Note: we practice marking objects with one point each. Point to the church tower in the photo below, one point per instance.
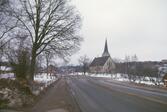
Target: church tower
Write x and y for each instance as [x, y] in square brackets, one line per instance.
[105, 52]
[103, 64]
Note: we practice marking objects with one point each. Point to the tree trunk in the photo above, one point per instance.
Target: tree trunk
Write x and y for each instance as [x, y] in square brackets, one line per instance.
[32, 66]
[47, 65]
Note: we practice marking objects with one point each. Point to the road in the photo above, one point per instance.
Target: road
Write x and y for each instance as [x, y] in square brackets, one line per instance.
[98, 95]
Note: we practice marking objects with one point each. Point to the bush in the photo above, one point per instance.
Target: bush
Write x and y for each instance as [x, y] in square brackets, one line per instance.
[20, 65]
[14, 93]
[3, 103]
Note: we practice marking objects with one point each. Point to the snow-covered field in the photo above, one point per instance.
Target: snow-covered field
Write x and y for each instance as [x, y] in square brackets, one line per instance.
[124, 77]
[42, 77]
[7, 75]
[43, 80]
[39, 78]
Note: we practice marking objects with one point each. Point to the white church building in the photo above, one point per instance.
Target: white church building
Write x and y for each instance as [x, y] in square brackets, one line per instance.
[103, 64]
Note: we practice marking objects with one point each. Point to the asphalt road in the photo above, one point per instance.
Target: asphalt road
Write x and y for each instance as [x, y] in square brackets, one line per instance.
[97, 95]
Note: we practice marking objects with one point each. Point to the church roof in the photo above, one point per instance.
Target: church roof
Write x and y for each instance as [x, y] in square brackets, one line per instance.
[105, 53]
[100, 61]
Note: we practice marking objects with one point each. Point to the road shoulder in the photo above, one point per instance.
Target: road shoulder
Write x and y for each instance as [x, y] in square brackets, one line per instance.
[56, 99]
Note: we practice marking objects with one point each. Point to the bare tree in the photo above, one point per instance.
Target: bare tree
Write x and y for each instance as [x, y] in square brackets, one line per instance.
[117, 60]
[134, 58]
[127, 67]
[7, 23]
[48, 56]
[51, 25]
[133, 68]
[127, 61]
[84, 62]
[40, 64]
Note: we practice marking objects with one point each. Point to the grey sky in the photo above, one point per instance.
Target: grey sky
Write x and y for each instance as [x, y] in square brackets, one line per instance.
[131, 27]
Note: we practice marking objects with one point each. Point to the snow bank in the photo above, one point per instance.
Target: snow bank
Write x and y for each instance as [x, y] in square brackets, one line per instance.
[44, 78]
[44, 81]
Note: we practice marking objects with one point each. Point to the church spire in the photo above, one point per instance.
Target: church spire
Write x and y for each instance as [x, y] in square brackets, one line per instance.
[105, 53]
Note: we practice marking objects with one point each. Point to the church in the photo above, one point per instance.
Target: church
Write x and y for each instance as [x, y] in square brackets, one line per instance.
[103, 64]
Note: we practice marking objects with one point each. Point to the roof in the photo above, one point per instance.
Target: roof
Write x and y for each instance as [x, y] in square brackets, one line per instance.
[105, 53]
[100, 61]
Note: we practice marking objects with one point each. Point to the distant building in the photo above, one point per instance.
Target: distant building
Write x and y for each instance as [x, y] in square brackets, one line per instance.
[51, 70]
[165, 79]
[164, 61]
[162, 70]
[103, 64]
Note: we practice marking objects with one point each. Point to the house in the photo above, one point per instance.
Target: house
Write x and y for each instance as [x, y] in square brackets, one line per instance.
[162, 70]
[50, 70]
[165, 79]
[103, 64]
[164, 61]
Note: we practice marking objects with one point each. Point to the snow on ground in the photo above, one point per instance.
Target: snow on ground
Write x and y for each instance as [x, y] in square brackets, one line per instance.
[4, 68]
[124, 77]
[77, 73]
[39, 78]
[7, 75]
[44, 78]
[42, 81]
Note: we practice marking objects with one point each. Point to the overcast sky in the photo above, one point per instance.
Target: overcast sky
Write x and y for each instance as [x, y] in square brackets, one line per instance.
[130, 26]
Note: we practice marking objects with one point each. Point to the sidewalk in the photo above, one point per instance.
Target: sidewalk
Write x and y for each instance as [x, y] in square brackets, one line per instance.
[57, 99]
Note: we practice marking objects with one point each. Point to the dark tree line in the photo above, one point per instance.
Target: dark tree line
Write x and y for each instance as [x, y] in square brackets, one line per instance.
[138, 69]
